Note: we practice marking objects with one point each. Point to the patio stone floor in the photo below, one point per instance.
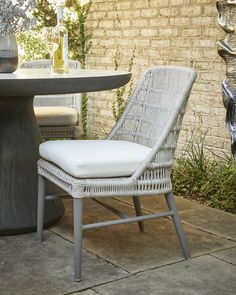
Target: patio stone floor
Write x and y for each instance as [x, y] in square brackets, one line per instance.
[122, 260]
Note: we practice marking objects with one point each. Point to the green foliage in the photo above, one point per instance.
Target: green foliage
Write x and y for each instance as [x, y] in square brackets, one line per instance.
[120, 102]
[32, 46]
[79, 36]
[31, 42]
[80, 44]
[209, 180]
[84, 98]
[45, 14]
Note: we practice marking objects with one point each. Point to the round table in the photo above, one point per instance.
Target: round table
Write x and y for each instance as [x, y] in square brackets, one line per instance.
[20, 138]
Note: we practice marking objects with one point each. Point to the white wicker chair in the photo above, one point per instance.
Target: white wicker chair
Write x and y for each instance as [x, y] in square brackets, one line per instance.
[136, 158]
[58, 116]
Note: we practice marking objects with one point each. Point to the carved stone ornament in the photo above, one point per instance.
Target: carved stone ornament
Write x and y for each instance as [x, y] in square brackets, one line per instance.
[227, 50]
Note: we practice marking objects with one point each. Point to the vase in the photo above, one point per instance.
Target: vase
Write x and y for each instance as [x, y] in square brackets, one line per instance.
[8, 53]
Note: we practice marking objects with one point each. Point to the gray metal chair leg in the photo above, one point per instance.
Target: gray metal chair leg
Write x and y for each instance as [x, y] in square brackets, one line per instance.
[178, 226]
[40, 212]
[78, 222]
[138, 210]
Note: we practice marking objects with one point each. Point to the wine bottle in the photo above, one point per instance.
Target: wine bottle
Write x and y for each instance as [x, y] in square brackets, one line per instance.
[60, 56]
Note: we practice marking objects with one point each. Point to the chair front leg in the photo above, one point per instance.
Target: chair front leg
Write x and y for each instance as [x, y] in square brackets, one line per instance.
[138, 210]
[178, 226]
[78, 222]
[41, 203]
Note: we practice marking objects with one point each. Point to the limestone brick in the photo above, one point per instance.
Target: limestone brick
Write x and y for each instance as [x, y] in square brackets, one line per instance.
[178, 42]
[210, 53]
[179, 21]
[160, 43]
[103, 6]
[204, 43]
[140, 4]
[122, 5]
[140, 23]
[213, 32]
[170, 11]
[148, 32]
[157, 3]
[189, 32]
[123, 24]
[171, 32]
[132, 13]
[159, 22]
[178, 2]
[148, 13]
[106, 23]
[209, 10]
[191, 11]
[131, 33]
[203, 21]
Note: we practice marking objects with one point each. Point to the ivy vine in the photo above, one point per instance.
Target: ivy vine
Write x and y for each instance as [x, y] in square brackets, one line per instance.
[120, 101]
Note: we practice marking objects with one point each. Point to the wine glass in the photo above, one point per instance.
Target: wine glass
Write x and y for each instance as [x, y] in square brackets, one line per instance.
[51, 41]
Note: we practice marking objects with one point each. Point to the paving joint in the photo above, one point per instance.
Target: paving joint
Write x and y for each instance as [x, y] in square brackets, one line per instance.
[113, 268]
[92, 253]
[182, 221]
[221, 259]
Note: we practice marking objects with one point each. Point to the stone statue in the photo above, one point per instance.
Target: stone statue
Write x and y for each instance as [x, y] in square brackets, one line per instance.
[227, 50]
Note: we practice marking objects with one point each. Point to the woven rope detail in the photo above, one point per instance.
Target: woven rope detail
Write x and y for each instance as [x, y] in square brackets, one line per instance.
[152, 182]
[59, 131]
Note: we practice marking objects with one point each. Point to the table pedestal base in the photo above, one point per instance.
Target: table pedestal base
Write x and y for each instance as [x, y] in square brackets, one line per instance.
[19, 141]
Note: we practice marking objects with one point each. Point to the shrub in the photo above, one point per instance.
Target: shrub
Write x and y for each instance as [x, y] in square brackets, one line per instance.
[209, 180]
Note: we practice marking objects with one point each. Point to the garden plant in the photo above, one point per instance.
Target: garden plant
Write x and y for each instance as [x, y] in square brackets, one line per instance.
[201, 175]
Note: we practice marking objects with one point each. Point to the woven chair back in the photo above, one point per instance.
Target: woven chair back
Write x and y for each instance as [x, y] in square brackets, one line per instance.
[161, 91]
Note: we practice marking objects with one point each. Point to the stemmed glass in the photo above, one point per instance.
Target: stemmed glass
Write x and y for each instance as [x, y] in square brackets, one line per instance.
[51, 41]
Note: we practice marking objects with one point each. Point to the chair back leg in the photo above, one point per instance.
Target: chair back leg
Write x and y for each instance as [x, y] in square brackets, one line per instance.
[41, 203]
[78, 223]
[178, 226]
[138, 210]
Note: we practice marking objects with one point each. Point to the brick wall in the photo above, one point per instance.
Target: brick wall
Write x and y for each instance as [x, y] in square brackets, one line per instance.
[164, 32]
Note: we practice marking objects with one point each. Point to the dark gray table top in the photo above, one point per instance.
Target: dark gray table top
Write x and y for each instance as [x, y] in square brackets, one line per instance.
[29, 82]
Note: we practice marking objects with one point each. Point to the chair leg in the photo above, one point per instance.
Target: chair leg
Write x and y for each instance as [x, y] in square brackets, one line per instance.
[138, 210]
[78, 222]
[178, 226]
[41, 202]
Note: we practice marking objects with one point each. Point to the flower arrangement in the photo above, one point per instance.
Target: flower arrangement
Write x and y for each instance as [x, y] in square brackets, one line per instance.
[15, 15]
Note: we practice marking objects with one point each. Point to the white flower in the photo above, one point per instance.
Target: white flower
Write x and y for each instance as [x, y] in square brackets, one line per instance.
[55, 2]
[84, 2]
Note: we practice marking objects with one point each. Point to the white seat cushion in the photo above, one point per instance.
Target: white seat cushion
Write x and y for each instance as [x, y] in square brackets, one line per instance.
[94, 158]
[56, 116]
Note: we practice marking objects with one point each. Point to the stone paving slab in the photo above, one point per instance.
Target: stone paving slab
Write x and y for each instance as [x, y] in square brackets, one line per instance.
[204, 275]
[132, 250]
[157, 203]
[31, 268]
[87, 292]
[228, 255]
[212, 220]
